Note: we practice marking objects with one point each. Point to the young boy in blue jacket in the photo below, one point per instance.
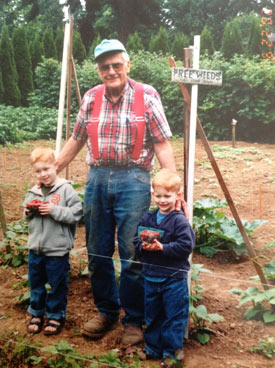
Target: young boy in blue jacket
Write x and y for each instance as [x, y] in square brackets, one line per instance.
[52, 208]
[163, 243]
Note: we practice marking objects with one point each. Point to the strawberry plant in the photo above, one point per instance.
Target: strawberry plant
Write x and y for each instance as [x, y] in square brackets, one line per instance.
[263, 303]
[198, 313]
[13, 250]
[216, 232]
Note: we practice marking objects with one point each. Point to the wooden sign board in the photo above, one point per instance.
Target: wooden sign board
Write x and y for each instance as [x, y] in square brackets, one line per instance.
[194, 76]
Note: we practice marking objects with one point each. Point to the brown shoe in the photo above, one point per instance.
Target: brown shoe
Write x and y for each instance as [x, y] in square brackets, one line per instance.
[98, 326]
[132, 335]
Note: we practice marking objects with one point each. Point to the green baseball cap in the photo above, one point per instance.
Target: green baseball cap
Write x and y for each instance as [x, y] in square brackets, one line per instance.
[107, 46]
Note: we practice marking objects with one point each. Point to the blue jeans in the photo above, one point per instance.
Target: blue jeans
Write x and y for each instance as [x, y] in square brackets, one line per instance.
[166, 315]
[52, 270]
[115, 200]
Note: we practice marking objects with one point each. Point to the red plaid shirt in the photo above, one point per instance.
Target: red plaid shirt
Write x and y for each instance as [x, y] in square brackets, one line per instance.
[117, 127]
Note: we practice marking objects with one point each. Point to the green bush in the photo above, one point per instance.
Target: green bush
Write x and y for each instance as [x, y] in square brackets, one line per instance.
[247, 95]
[21, 123]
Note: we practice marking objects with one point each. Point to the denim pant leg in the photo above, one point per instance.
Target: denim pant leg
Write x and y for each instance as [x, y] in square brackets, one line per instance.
[131, 202]
[113, 198]
[176, 305]
[37, 279]
[57, 272]
[154, 317]
[100, 242]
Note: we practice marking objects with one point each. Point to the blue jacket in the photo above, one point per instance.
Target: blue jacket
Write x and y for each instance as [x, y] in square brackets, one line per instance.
[178, 242]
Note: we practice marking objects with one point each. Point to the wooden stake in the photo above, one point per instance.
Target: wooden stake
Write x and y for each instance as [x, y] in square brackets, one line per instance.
[187, 64]
[69, 88]
[250, 249]
[78, 95]
[62, 90]
[234, 122]
[2, 217]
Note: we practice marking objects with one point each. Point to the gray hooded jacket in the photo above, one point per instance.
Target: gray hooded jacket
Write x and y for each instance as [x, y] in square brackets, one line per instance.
[53, 234]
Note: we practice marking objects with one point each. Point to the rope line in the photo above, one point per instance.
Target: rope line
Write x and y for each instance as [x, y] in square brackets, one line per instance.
[207, 273]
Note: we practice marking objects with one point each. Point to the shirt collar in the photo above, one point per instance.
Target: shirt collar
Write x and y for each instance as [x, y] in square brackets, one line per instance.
[123, 92]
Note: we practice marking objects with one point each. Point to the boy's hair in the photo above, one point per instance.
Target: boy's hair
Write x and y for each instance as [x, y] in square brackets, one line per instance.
[42, 153]
[167, 179]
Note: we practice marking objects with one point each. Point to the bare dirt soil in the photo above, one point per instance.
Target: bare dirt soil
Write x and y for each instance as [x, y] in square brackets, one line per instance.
[249, 173]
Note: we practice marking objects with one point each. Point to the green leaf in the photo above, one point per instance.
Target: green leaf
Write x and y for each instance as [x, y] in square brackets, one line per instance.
[271, 245]
[201, 312]
[236, 291]
[210, 204]
[254, 312]
[270, 294]
[269, 269]
[215, 317]
[208, 251]
[203, 338]
[269, 317]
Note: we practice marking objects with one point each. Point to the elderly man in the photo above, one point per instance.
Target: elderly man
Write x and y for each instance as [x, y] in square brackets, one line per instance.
[124, 125]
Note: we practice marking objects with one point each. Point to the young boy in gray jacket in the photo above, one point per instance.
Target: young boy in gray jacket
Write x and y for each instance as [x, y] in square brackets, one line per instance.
[53, 209]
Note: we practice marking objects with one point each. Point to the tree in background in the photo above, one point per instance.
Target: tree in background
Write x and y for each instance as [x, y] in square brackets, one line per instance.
[254, 46]
[180, 42]
[236, 36]
[190, 16]
[231, 41]
[116, 18]
[207, 43]
[95, 42]
[23, 63]
[1, 89]
[49, 44]
[79, 51]
[9, 74]
[36, 51]
[160, 43]
[59, 41]
[134, 43]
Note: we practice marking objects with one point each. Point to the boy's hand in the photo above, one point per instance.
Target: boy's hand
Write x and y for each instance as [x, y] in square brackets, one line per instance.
[45, 208]
[155, 246]
[27, 211]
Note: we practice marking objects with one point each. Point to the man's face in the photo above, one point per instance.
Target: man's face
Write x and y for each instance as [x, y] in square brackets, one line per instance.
[113, 70]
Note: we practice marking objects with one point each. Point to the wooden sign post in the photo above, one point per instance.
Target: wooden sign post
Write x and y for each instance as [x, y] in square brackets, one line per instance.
[250, 249]
[194, 76]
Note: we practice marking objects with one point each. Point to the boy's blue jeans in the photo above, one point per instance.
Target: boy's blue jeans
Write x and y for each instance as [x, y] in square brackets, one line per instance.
[52, 270]
[115, 200]
[166, 315]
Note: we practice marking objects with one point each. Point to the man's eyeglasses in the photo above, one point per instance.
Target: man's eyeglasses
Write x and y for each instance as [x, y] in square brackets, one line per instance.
[116, 66]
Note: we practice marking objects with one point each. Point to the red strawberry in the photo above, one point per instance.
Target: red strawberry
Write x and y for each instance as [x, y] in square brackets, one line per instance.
[149, 236]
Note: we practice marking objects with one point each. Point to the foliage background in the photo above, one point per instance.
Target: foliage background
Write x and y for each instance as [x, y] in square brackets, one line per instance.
[231, 41]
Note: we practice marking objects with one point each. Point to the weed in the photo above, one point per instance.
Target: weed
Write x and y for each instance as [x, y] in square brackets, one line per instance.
[265, 347]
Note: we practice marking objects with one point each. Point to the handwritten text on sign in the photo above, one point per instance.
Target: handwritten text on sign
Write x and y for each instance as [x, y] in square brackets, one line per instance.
[193, 76]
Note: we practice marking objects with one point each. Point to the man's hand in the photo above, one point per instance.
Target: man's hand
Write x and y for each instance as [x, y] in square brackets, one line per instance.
[182, 205]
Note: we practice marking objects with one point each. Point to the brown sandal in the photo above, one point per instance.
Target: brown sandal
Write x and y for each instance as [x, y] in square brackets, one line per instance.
[57, 324]
[36, 321]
